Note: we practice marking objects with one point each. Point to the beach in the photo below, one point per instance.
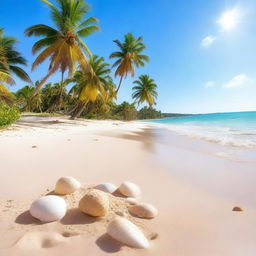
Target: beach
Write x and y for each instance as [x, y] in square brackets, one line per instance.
[194, 184]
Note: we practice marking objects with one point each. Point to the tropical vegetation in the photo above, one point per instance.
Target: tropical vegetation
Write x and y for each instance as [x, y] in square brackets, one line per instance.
[86, 87]
[8, 114]
[10, 62]
[62, 44]
[128, 57]
[145, 90]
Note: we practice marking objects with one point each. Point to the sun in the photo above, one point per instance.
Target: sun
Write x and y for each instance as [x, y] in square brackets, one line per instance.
[230, 19]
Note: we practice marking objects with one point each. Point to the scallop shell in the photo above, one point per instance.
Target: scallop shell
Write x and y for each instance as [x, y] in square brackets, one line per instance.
[67, 185]
[106, 187]
[127, 233]
[48, 208]
[95, 203]
[144, 210]
[129, 189]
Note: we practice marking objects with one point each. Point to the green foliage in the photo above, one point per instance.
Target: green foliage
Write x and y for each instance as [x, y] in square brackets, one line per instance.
[62, 43]
[11, 59]
[88, 87]
[124, 111]
[8, 114]
[129, 56]
[145, 90]
[149, 113]
[175, 115]
[10, 62]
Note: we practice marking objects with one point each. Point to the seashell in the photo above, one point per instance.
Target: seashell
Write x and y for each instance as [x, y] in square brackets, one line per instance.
[131, 200]
[127, 233]
[106, 187]
[67, 185]
[48, 208]
[95, 203]
[129, 189]
[144, 210]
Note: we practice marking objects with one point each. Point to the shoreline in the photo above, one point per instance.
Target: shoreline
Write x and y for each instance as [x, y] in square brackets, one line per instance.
[194, 190]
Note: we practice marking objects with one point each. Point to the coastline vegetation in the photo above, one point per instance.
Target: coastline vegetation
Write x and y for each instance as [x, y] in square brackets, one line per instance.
[8, 114]
[86, 88]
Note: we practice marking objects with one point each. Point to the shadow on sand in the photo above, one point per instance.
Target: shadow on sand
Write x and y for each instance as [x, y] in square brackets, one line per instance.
[25, 218]
[76, 217]
[108, 244]
[146, 137]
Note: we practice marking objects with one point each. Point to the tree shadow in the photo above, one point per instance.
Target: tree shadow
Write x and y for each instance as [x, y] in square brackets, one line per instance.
[108, 244]
[26, 218]
[146, 137]
[76, 217]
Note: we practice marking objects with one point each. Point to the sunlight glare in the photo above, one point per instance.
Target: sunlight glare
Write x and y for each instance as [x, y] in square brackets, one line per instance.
[230, 19]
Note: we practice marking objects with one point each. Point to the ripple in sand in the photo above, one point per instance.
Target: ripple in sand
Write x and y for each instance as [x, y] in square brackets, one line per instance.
[37, 240]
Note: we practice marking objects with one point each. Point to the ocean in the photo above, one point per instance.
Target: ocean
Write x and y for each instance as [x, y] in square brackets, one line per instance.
[236, 129]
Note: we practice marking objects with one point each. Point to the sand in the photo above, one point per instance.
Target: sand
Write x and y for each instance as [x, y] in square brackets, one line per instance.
[193, 186]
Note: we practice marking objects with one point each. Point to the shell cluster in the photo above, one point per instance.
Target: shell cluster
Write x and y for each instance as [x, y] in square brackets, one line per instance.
[96, 203]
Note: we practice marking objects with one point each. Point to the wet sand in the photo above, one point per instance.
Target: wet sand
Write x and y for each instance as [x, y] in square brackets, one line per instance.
[193, 186]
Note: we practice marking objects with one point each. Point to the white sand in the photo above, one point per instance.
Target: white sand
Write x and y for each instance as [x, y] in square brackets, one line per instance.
[193, 189]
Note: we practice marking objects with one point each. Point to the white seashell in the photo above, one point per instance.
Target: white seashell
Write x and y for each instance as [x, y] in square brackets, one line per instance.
[132, 200]
[127, 233]
[144, 210]
[106, 187]
[48, 208]
[95, 203]
[67, 185]
[129, 189]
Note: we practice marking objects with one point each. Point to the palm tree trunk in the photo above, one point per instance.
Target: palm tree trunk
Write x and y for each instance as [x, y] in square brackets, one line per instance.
[121, 79]
[39, 86]
[57, 103]
[61, 90]
[79, 111]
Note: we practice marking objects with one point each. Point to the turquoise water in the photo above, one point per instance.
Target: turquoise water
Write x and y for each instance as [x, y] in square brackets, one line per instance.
[234, 129]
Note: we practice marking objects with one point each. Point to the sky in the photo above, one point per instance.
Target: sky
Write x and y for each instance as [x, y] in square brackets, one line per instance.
[202, 53]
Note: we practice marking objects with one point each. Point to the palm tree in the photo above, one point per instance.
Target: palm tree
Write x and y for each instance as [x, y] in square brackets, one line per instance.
[60, 89]
[5, 94]
[88, 86]
[145, 90]
[128, 56]
[26, 102]
[10, 59]
[62, 44]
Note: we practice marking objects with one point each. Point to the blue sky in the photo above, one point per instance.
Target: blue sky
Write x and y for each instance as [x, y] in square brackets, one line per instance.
[202, 53]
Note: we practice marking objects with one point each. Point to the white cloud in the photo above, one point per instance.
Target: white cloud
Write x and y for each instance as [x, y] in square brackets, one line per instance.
[210, 84]
[237, 81]
[230, 19]
[207, 41]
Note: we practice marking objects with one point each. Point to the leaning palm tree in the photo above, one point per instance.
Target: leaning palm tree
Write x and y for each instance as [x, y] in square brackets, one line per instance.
[130, 55]
[89, 86]
[145, 90]
[10, 59]
[62, 44]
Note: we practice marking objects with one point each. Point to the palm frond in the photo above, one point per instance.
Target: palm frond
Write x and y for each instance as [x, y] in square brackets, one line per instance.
[20, 73]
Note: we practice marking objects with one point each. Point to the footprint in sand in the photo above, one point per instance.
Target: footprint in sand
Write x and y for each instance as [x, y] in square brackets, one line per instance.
[39, 240]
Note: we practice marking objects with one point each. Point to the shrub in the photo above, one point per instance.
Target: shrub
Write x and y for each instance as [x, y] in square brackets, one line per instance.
[149, 113]
[8, 114]
[125, 111]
